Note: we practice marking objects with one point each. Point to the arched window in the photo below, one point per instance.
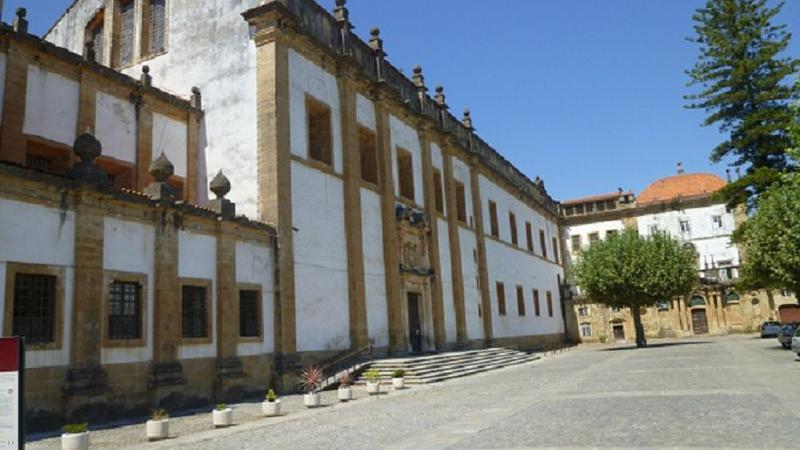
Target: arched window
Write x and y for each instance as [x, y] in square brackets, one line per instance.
[697, 300]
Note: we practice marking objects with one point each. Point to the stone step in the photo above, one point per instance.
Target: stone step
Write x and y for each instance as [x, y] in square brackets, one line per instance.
[409, 364]
[450, 354]
[423, 370]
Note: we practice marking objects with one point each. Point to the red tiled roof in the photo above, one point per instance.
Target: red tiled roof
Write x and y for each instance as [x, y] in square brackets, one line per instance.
[596, 198]
[681, 186]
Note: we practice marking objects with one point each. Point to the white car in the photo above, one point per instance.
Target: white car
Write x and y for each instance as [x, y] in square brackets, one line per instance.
[796, 341]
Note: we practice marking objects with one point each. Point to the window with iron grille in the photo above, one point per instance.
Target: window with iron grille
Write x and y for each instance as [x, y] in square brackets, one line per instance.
[438, 195]
[157, 26]
[38, 163]
[520, 301]
[494, 228]
[461, 202]
[576, 242]
[501, 298]
[405, 174]
[124, 311]
[94, 35]
[193, 312]
[126, 33]
[536, 310]
[34, 307]
[529, 236]
[319, 131]
[249, 313]
[369, 155]
[549, 303]
[543, 244]
[512, 225]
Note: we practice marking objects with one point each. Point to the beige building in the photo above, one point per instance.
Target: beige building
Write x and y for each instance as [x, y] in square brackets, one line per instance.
[683, 206]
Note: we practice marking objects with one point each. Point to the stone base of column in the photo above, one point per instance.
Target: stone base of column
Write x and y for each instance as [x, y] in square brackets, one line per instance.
[86, 394]
[166, 381]
[287, 371]
[229, 387]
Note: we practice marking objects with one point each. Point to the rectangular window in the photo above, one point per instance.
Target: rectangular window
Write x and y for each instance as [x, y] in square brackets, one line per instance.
[495, 229]
[593, 237]
[39, 163]
[576, 242]
[249, 314]
[543, 244]
[716, 221]
[501, 298]
[520, 301]
[124, 311]
[34, 307]
[319, 132]
[461, 202]
[125, 46]
[94, 35]
[684, 226]
[512, 224]
[569, 211]
[586, 330]
[536, 309]
[555, 250]
[369, 155]
[157, 26]
[405, 174]
[438, 195]
[193, 312]
[549, 303]
[529, 236]
[610, 233]
[583, 311]
[653, 229]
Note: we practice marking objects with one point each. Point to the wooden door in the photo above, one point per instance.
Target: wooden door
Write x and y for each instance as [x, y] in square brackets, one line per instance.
[414, 329]
[699, 321]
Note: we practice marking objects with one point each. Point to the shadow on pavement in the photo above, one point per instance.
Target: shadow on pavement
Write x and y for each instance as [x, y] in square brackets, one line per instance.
[656, 345]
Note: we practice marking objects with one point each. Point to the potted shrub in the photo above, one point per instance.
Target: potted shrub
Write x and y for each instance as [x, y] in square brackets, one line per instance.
[311, 381]
[271, 406]
[222, 416]
[75, 437]
[345, 391]
[398, 379]
[158, 425]
[373, 381]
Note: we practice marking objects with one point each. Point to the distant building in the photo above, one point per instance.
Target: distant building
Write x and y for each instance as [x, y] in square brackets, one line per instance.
[683, 206]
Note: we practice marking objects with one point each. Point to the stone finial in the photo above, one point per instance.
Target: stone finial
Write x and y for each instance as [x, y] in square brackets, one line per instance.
[146, 79]
[467, 119]
[88, 148]
[417, 77]
[340, 11]
[161, 168]
[197, 98]
[220, 185]
[20, 23]
[728, 175]
[375, 41]
[680, 168]
[440, 97]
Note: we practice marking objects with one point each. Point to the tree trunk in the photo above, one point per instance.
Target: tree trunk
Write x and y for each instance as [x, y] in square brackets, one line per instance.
[636, 312]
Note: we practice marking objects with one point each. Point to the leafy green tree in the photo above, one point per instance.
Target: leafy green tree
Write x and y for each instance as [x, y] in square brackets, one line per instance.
[746, 89]
[772, 237]
[632, 271]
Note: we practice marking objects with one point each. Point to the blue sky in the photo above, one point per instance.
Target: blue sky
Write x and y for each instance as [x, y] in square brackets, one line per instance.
[586, 94]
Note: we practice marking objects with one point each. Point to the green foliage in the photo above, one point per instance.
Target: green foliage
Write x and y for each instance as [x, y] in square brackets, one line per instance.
[772, 238]
[221, 407]
[76, 428]
[744, 88]
[633, 271]
[271, 396]
[160, 414]
[399, 373]
[372, 375]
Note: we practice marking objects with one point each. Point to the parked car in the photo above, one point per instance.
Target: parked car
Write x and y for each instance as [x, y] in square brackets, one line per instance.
[770, 328]
[796, 341]
[786, 334]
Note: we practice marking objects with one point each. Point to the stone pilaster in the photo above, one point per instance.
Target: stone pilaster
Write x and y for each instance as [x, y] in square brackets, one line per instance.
[86, 383]
[12, 141]
[483, 268]
[457, 274]
[229, 366]
[144, 144]
[274, 172]
[359, 333]
[391, 256]
[433, 239]
[193, 175]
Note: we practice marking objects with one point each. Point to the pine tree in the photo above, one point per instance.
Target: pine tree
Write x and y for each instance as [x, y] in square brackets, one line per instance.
[746, 89]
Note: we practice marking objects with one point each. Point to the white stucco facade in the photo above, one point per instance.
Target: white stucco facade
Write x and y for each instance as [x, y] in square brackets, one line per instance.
[51, 106]
[115, 128]
[255, 266]
[197, 258]
[405, 137]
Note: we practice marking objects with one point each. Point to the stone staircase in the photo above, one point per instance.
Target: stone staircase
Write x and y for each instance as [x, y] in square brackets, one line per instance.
[445, 366]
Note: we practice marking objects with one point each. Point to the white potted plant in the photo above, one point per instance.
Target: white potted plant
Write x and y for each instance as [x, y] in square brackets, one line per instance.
[311, 381]
[222, 416]
[75, 437]
[345, 391]
[271, 406]
[373, 381]
[398, 379]
[158, 426]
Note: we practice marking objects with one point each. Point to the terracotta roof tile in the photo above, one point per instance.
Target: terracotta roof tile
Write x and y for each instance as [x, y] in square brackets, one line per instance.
[681, 186]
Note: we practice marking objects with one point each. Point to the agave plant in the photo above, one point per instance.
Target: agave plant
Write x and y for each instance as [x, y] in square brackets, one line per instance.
[344, 380]
[311, 379]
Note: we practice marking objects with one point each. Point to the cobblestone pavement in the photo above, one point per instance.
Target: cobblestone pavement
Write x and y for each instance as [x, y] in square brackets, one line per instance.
[737, 392]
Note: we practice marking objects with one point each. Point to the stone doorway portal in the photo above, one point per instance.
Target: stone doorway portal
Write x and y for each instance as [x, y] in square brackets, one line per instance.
[699, 321]
[619, 332]
[414, 323]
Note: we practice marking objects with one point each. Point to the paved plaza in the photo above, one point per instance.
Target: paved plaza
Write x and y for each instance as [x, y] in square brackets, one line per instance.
[739, 391]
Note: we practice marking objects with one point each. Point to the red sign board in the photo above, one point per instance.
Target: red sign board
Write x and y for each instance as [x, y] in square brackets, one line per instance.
[9, 354]
[12, 383]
